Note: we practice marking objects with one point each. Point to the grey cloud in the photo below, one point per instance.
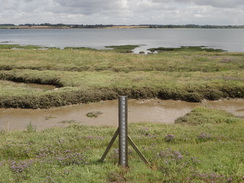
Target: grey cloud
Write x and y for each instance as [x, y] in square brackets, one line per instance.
[213, 3]
[27, 6]
[88, 7]
[11, 4]
[221, 3]
[123, 11]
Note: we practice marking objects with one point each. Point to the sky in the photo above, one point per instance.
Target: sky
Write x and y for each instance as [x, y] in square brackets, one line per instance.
[123, 12]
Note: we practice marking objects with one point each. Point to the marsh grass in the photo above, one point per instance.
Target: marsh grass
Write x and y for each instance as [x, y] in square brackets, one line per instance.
[123, 48]
[186, 48]
[88, 86]
[30, 127]
[86, 75]
[204, 152]
[202, 115]
[16, 46]
[204, 146]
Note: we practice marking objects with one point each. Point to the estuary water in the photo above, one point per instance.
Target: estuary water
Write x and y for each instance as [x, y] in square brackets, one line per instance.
[153, 110]
[231, 40]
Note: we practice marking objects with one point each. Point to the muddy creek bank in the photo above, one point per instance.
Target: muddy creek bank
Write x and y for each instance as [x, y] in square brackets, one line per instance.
[158, 111]
[34, 86]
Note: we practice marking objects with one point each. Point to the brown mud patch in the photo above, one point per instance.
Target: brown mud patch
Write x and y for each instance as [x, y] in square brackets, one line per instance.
[41, 86]
[153, 110]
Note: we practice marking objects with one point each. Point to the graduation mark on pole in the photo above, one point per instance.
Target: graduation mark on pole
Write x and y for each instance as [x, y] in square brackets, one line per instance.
[123, 146]
[122, 132]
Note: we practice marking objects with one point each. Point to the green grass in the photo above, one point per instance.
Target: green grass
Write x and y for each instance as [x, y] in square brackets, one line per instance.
[123, 48]
[206, 145]
[186, 48]
[202, 115]
[78, 48]
[16, 46]
[205, 152]
[95, 60]
[86, 75]
[8, 27]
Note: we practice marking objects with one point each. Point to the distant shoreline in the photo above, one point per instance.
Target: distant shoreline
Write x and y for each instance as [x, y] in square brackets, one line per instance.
[63, 26]
[70, 27]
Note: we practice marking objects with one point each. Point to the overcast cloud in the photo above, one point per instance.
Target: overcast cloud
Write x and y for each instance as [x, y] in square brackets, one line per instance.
[215, 12]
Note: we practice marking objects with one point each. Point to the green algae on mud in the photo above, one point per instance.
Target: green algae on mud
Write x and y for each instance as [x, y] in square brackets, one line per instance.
[86, 75]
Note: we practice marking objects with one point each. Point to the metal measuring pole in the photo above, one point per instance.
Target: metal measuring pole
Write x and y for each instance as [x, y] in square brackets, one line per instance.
[123, 143]
[122, 132]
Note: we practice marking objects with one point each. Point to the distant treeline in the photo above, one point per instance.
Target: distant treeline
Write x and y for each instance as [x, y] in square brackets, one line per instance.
[121, 26]
[199, 26]
[56, 25]
[68, 25]
[7, 25]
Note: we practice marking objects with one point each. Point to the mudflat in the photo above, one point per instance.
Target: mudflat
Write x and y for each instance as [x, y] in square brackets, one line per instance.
[150, 110]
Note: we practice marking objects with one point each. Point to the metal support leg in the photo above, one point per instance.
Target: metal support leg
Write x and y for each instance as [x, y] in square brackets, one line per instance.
[110, 145]
[137, 150]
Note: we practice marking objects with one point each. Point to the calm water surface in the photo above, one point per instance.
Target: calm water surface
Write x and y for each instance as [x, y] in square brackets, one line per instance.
[228, 39]
[154, 110]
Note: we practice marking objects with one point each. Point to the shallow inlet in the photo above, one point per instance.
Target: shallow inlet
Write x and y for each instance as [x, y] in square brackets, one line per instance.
[154, 110]
[35, 86]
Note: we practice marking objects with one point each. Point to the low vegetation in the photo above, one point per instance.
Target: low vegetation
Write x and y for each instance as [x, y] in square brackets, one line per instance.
[16, 46]
[186, 48]
[88, 75]
[203, 115]
[209, 150]
[123, 48]
[205, 145]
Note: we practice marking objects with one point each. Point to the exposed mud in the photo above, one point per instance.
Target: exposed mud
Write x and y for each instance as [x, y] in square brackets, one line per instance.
[41, 86]
[159, 111]
[34, 86]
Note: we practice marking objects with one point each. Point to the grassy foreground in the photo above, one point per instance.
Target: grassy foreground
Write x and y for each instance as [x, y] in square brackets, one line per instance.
[204, 146]
[87, 75]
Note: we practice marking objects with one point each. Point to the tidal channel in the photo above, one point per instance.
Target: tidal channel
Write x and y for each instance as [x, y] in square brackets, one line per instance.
[153, 110]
